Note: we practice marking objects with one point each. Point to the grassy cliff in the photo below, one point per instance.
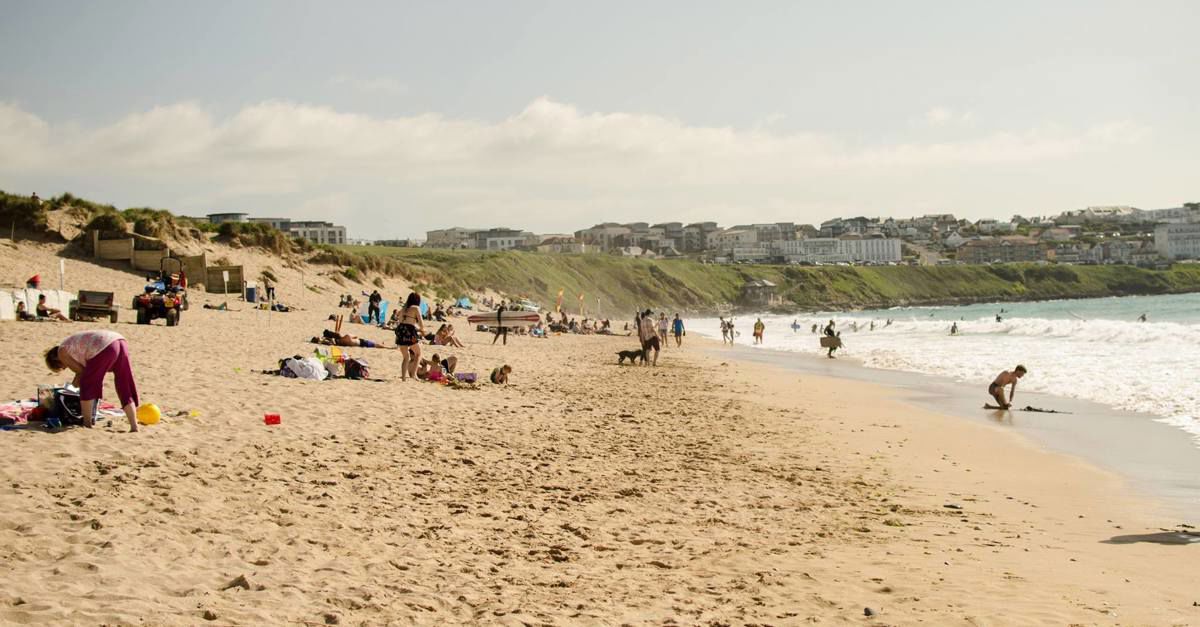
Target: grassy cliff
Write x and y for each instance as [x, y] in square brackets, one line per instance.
[622, 284]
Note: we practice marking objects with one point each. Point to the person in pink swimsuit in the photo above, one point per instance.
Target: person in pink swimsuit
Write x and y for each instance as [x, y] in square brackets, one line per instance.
[91, 355]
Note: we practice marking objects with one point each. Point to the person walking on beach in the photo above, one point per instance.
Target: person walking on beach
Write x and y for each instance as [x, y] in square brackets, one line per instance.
[649, 338]
[724, 330]
[1006, 378]
[831, 332]
[501, 330]
[373, 308]
[677, 326]
[408, 336]
[664, 327]
[91, 355]
[759, 327]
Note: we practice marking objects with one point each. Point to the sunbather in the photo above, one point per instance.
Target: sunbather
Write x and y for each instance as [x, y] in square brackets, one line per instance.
[344, 339]
[23, 313]
[43, 311]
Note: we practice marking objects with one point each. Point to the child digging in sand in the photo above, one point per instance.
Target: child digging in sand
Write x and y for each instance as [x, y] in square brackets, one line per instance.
[500, 375]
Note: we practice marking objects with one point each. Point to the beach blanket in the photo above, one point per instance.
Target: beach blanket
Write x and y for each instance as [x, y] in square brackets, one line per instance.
[21, 412]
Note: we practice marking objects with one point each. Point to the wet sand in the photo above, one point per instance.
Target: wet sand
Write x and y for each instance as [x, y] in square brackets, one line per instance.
[1155, 458]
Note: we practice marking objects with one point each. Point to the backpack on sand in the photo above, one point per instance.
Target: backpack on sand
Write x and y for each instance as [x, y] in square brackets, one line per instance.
[357, 368]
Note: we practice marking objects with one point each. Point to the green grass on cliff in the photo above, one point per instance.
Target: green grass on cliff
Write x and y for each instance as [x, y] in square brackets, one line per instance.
[623, 284]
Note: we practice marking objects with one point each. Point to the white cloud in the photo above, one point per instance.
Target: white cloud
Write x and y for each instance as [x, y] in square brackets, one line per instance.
[550, 158]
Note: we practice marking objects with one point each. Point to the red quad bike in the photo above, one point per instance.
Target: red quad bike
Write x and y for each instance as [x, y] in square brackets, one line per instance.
[164, 297]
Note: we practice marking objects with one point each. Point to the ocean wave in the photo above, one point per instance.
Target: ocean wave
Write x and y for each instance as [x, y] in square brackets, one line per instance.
[1147, 367]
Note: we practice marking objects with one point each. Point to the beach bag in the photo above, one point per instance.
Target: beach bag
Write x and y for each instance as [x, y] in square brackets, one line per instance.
[67, 406]
[357, 368]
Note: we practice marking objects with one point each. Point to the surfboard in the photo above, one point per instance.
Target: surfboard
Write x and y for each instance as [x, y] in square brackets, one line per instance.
[506, 318]
[831, 342]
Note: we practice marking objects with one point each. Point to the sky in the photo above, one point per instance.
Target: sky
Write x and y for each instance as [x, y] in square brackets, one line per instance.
[394, 118]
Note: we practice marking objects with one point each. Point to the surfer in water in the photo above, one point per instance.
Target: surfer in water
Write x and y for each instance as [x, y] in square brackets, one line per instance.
[954, 329]
[1142, 318]
[1004, 379]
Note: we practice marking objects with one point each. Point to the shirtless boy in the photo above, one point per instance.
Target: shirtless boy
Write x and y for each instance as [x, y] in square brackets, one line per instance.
[1006, 378]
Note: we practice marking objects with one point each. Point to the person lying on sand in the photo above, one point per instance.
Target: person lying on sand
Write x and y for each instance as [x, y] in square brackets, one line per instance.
[344, 339]
[1006, 378]
[499, 376]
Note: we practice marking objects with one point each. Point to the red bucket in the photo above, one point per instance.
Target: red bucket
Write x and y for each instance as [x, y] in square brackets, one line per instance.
[271, 419]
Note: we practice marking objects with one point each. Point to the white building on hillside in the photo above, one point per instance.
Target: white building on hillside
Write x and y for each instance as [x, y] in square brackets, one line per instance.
[871, 249]
[456, 237]
[729, 239]
[1178, 241]
[317, 231]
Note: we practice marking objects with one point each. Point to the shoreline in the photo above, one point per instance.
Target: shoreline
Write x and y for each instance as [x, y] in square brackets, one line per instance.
[1158, 458]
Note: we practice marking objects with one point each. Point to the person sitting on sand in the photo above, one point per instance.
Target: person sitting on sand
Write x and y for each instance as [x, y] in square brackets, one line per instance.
[1006, 378]
[23, 313]
[499, 375]
[435, 368]
[393, 320]
[451, 339]
[44, 311]
[91, 355]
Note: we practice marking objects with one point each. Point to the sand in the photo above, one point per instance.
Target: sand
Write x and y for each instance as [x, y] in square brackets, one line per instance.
[701, 491]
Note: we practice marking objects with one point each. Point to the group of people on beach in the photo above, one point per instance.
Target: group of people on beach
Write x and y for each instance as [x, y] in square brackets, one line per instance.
[653, 333]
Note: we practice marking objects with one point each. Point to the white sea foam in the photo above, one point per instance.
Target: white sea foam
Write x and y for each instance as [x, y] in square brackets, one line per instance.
[1094, 350]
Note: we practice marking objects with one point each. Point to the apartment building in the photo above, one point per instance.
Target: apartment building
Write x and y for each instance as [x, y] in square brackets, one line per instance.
[1178, 241]
[1001, 250]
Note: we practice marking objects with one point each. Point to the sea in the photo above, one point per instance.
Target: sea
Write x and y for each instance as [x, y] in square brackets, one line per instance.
[1096, 350]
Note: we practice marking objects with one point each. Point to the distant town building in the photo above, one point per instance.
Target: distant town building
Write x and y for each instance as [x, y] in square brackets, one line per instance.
[456, 237]
[565, 245]
[988, 227]
[1178, 241]
[846, 249]
[605, 236]
[317, 231]
[696, 235]
[395, 243]
[1010, 249]
[217, 218]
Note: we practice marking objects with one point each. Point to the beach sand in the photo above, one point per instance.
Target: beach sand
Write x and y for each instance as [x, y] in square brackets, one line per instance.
[701, 491]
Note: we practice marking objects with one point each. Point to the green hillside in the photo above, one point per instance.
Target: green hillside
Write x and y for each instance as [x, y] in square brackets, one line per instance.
[622, 284]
